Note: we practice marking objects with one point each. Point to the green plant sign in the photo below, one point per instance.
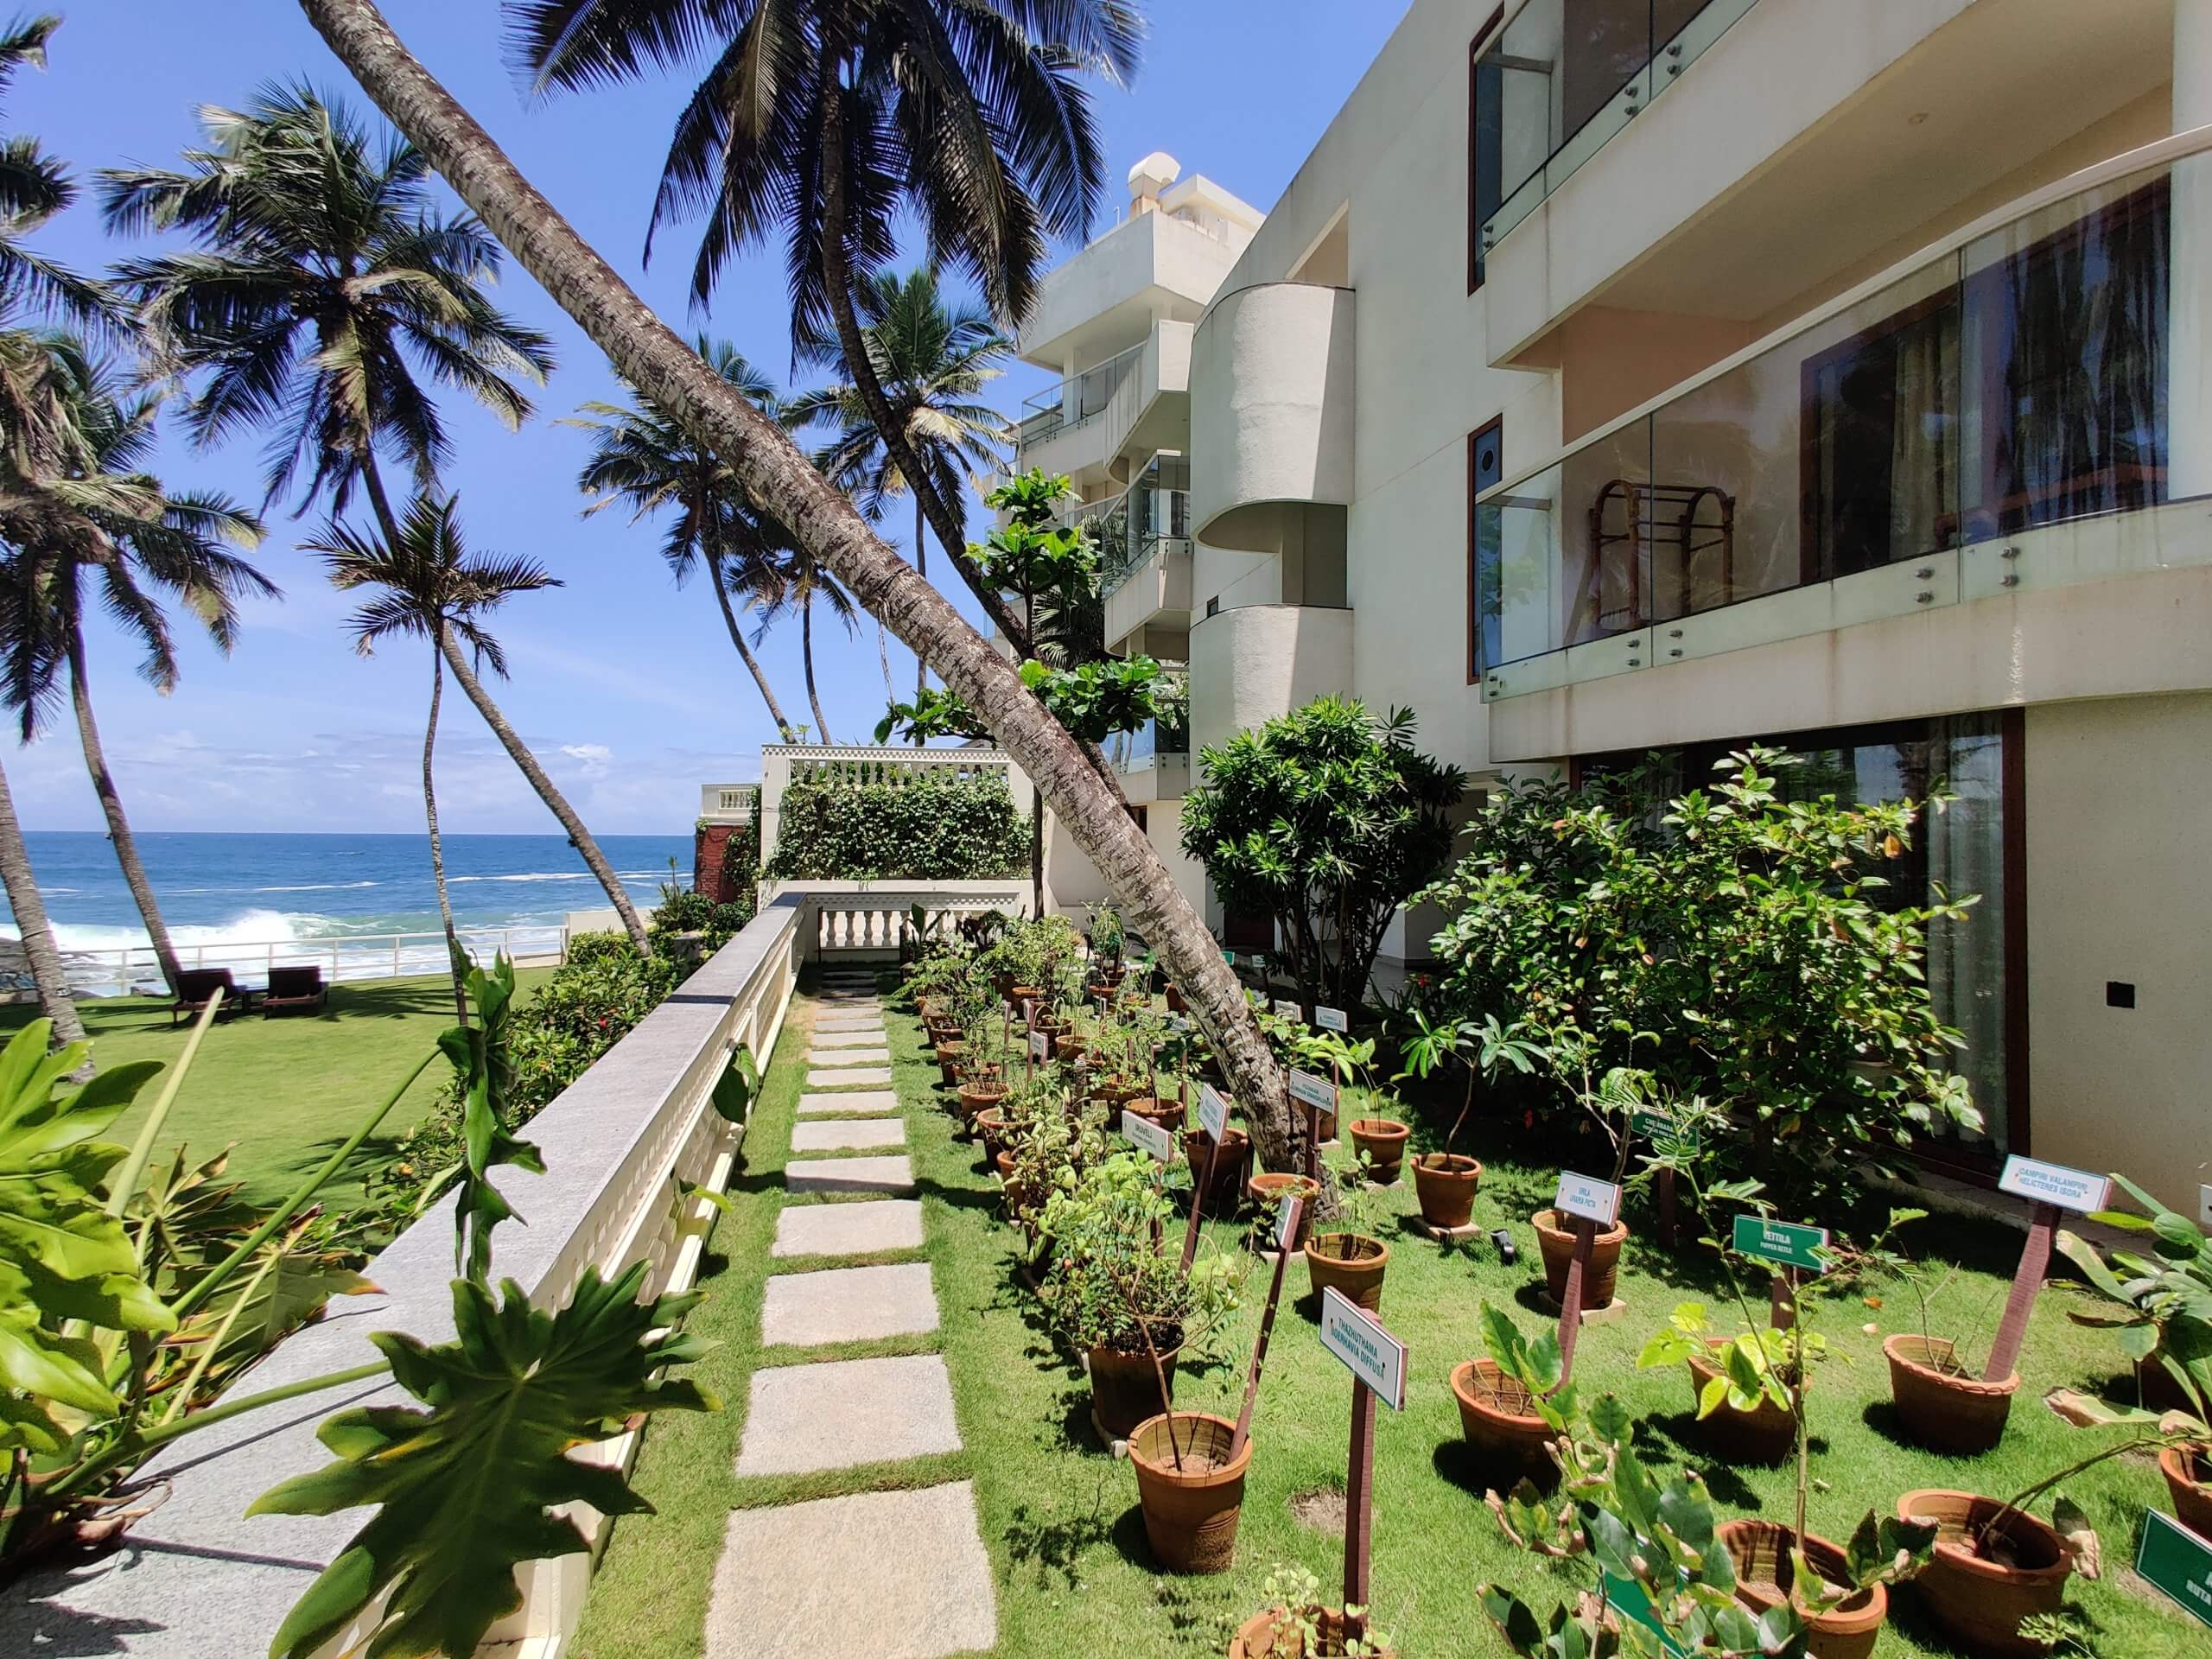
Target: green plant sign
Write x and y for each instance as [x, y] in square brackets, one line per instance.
[1628, 1597]
[1782, 1243]
[2177, 1562]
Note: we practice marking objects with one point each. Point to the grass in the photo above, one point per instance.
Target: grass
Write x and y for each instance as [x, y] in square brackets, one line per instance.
[1059, 1515]
[285, 1093]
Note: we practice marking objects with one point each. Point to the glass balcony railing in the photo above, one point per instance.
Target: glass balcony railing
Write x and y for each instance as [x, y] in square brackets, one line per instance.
[1152, 512]
[1073, 401]
[2018, 378]
[1152, 743]
[1563, 78]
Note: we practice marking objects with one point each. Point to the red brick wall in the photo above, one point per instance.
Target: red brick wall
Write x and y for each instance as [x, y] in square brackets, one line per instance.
[708, 842]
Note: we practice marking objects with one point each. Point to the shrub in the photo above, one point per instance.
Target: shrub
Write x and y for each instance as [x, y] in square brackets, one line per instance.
[1327, 820]
[1734, 945]
[932, 828]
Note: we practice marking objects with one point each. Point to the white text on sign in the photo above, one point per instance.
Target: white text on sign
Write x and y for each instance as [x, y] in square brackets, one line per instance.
[1331, 1018]
[2070, 1189]
[1370, 1352]
[1040, 1044]
[1587, 1196]
[1310, 1090]
[1213, 1111]
[1144, 1133]
[1286, 1009]
[1286, 1215]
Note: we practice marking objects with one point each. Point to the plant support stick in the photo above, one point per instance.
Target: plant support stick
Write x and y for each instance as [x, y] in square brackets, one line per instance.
[1292, 1205]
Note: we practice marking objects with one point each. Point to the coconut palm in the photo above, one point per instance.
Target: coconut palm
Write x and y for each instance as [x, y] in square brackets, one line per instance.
[824, 522]
[35, 931]
[642, 457]
[933, 361]
[823, 120]
[791, 581]
[103, 523]
[34, 187]
[323, 286]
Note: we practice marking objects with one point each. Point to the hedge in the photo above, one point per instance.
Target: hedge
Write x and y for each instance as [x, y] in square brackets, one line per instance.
[929, 828]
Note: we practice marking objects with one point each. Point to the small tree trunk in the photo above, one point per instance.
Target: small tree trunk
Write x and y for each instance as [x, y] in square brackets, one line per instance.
[745, 652]
[456, 963]
[921, 570]
[118, 827]
[806, 656]
[29, 908]
[519, 751]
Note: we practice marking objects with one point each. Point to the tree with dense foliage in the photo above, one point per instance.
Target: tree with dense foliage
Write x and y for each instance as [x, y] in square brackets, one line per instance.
[90, 525]
[1326, 820]
[821, 518]
[822, 121]
[641, 457]
[1740, 941]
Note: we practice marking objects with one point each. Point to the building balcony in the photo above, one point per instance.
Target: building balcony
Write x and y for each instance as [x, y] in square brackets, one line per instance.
[726, 803]
[1098, 424]
[1272, 403]
[1154, 761]
[1903, 476]
[1153, 592]
[1152, 265]
[1253, 663]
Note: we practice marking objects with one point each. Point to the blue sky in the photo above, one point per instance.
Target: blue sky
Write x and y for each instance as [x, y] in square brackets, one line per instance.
[624, 685]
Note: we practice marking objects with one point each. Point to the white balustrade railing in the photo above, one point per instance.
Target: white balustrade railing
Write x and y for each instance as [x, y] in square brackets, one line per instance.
[123, 969]
[855, 917]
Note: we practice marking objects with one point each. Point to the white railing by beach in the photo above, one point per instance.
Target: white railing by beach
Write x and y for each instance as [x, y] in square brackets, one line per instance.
[124, 970]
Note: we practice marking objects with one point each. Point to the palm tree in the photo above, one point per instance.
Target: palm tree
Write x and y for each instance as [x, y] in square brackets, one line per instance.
[33, 928]
[428, 589]
[642, 457]
[109, 521]
[824, 120]
[792, 582]
[34, 186]
[651, 357]
[933, 361]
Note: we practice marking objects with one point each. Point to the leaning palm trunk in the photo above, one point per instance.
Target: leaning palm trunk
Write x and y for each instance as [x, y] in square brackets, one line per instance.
[518, 751]
[456, 963]
[806, 656]
[118, 827]
[646, 353]
[921, 570]
[38, 948]
[745, 652]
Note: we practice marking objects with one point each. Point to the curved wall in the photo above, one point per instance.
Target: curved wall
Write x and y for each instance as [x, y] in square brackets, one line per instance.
[1249, 665]
[1271, 409]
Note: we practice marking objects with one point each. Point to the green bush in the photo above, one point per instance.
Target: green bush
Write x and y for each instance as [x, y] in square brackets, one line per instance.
[931, 828]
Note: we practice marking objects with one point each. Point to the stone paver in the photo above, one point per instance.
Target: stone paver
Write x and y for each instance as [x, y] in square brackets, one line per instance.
[845, 1412]
[837, 1135]
[859, 1229]
[848, 1057]
[850, 1036]
[895, 1575]
[806, 1310]
[849, 1102]
[849, 1175]
[857, 1076]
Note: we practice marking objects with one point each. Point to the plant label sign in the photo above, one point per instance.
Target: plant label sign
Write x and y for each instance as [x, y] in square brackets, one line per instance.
[1213, 1112]
[1286, 1215]
[2177, 1562]
[1587, 1196]
[1039, 1045]
[1228, 956]
[1142, 1132]
[1287, 1009]
[1370, 1352]
[1331, 1018]
[1782, 1243]
[1309, 1090]
[1629, 1598]
[2070, 1189]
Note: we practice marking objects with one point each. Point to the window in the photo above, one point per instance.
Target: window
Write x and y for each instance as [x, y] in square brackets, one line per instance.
[1486, 467]
[1484, 85]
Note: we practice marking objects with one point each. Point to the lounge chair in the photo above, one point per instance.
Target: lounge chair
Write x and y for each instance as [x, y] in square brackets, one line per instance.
[195, 985]
[295, 987]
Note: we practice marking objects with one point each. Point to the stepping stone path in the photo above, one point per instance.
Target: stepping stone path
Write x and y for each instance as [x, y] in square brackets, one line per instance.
[895, 1575]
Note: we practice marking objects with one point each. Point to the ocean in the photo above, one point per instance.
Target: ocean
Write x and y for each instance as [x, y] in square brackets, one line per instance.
[244, 902]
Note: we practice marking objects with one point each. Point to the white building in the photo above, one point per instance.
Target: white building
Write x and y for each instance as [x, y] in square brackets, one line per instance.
[1620, 377]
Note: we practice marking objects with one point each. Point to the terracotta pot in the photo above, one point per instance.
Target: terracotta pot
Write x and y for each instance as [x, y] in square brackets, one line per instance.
[1766, 1433]
[1168, 1113]
[1359, 1276]
[1073, 1050]
[1267, 1190]
[1500, 1422]
[1760, 1550]
[1556, 1241]
[1227, 1164]
[1939, 1405]
[1021, 994]
[1018, 1195]
[1116, 1095]
[1255, 1638]
[1191, 1513]
[1445, 1184]
[990, 1124]
[1175, 1002]
[1124, 1390]
[949, 1056]
[1980, 1601]
[2187, 1486]
[978, 1097]
[1099, 989]
[1382, 1144]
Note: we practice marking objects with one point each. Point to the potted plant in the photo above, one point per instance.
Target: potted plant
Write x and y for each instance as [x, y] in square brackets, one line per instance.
[1940, 1402]
[1380, 1144]
[1295, 1625]
[1445, 1181]
[1996, 1566]
[1348, 1256]
[1612, 1102]
[1267, 1190]
[1743, 1384]
[1513, 1405]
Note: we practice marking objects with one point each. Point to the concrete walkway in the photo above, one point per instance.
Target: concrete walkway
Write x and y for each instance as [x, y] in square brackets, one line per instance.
[894, 1575]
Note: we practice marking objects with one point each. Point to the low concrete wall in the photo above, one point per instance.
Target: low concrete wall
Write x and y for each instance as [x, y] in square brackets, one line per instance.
[197, 1579]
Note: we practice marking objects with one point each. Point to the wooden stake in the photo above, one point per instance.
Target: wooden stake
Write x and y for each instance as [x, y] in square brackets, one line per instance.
[1570, 1310]
[1199, 1205]
[1665, 1209]
[1781, 1298]
[1359, 1494]
[2027, 1278]
[1313, 1143]
[1267, 1328]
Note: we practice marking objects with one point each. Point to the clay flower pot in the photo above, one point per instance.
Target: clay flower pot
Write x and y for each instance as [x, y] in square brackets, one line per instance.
[1766, 1433]
[1018, 1198]
[1979, 1600]
[1228, 1164]
[976, 1098]
[1116, 1092]
[1175, 1002]
[1267, 1190]
[949, 1056]
[1351, 1262]
[1555, 1238]
[1023, 993]
[1124, 1390]
[2185, 1470]
[1382, 1145]
[1939, 1405]
[1760, 1550]
[1444, 1183]
[990, 1125]
[1255, 1638]
[1499, 1419]
[1190, 1512]
[1168, 1113]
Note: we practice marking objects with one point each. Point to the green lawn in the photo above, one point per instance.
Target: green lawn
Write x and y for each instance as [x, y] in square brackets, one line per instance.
[1059, 1516]
[284, 1091]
